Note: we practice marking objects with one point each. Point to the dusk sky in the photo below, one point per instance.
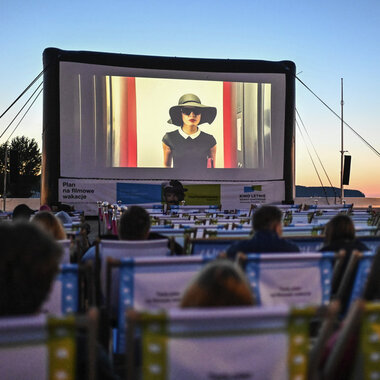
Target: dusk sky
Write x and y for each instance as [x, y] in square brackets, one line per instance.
[327, 40]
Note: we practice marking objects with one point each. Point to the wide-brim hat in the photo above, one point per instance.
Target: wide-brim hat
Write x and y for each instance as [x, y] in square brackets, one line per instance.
[191, 100]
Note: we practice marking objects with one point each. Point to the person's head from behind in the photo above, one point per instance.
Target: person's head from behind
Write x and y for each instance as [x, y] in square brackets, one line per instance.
[219, 283]
[29, 261]
[173, 192]
[267, 218]
[51, 224]
[134, 224]
[22, 212]
[339, 228]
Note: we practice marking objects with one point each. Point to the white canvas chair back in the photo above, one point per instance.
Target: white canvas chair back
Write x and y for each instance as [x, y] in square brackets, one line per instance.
[211, 247]
[119, 249]
[290, 279]
[63, 297]
[23, 352]
[37, 348]
[225, 343]
[66, 244]
[153, 284]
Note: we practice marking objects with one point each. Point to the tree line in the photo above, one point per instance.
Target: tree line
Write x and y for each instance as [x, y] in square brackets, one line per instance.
[23, 169]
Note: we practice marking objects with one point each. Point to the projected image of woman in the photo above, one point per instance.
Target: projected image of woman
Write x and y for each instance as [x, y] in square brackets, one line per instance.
[188, 146]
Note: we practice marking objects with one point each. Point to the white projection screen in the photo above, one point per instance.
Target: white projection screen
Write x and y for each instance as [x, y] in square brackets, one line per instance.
[115, 117]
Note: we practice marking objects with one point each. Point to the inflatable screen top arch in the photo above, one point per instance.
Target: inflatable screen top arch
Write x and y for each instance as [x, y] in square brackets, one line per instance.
[116, 118]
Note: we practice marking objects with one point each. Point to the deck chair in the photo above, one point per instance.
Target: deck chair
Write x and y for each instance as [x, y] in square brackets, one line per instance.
[45, 348]
[291, 279]
[179, 235]
[354, 278]
[362, 275]
[372, 242]
[328, 326]
[210, 247]
[64, 294]
[365, 230]
[118, 249]
[226, 234]
[222, 343]
[148, 283]
[307, 243]
[307, 230]
[372, 288]
[358, 343]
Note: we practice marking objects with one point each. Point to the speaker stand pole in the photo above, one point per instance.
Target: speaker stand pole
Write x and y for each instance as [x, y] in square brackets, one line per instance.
[341, 142]
[5, 176]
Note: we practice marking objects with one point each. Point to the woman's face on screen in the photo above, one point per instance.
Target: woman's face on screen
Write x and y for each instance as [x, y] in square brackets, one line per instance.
[191, 116]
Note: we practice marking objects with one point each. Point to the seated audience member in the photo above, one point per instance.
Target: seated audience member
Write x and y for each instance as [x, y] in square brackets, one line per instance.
[29, 262]
[173, 192]
[51, 224]
[134, 224]
[220, 283]
[340, 234]
[22, 212]
[267, 227]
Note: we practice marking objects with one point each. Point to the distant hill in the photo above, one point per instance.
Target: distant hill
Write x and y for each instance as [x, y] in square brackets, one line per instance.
[317, 191]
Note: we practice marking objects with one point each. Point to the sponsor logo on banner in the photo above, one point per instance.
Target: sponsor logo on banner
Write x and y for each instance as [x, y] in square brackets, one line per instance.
[252, 194]
[242, 195]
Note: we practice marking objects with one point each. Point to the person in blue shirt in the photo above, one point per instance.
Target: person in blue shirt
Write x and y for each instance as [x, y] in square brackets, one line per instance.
[267, 228]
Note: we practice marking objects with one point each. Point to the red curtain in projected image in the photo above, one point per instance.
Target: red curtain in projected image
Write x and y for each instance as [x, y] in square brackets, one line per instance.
[128, 130]
[229, 125]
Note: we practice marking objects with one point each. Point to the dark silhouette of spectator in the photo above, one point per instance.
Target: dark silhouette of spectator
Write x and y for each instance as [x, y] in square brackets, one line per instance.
[22, 212]
[340, 234]
[267, 228]
[173, 192]
[134, 224]
[219, 283]
[29, 261]
[50, 224]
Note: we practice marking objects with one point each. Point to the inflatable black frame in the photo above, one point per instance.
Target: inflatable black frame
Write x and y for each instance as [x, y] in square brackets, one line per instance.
[51, 102]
